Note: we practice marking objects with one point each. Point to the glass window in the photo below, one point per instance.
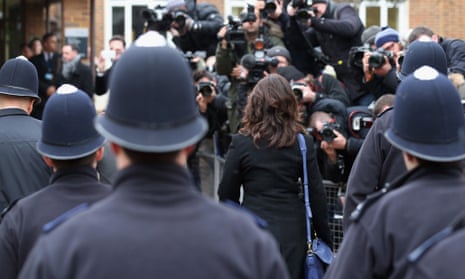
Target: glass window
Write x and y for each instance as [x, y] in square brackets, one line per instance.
[393, 18]
[137, 21]
[373, 16]
[117, 20]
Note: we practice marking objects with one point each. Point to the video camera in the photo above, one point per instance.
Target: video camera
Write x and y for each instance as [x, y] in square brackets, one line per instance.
[157, 19]
[235, 36]
[205, 88]
[257, 62]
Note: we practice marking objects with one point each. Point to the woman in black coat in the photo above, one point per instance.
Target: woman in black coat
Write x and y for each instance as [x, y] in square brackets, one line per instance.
[265, 159]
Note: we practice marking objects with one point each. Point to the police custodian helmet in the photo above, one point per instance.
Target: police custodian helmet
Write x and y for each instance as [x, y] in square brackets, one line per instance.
[428, 120]
[151, 106]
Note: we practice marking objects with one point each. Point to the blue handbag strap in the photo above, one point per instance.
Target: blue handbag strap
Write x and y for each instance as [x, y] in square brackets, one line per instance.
[308, 211]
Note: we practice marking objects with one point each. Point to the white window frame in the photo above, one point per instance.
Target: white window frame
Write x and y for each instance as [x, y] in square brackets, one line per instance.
[403, 19]
[127, 5]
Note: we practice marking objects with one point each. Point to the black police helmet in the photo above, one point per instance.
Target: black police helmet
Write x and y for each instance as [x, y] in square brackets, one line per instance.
[151, 106]
[428, 120]
[18, 77]
[67, 125]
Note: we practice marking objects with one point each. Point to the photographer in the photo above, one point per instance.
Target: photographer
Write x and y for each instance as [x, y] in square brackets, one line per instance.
[310, 91]
[336, 28]
[194, 25]
[331, 140]
[212, 106]
[380, 66]
[229, 55]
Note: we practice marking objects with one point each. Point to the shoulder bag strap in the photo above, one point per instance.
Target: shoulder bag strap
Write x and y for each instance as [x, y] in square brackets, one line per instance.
[308, 211]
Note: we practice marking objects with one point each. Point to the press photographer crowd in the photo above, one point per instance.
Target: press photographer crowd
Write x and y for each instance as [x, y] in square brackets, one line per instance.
[291, 141]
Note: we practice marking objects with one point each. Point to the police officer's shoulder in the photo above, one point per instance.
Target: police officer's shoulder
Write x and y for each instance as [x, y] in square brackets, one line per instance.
[261, 223]
[8, 208]
[458, 225]
[53, 224]
[373, 198]
[383, 113]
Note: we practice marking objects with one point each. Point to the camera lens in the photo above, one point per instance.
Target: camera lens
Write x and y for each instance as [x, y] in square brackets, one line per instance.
[376, 60]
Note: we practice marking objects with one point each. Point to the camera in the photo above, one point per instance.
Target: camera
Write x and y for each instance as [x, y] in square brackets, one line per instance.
[157, 19]
[377, 58]
[249, 15]
[205, 88]
[296, 89]
[326, 132]
[304, 14]
[270, 6]
[258, 62]
[235, 36]
[180, 18]
[356, 56]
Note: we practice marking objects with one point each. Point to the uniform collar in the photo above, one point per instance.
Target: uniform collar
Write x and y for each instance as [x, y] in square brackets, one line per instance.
[79, 173]
[12, 111]
[155, 177]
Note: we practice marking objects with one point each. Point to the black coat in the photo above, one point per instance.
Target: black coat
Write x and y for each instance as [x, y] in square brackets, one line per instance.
[22, 169]
[209, 21]
[156, 224]
[377, 245]
[81, 77]
[101, 82]
[22, 225]
[47, 73]
[455, 53]
[270, 178]
[336, 32]
[377, 163]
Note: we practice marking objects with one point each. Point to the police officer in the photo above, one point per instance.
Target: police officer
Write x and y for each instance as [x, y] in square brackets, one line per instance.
[378, 162]
[22, 170]
[155, 223]
[71, 146]
[429, 127]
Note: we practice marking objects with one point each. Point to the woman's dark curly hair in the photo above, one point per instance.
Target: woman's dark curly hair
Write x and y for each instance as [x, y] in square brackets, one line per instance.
[271, 113]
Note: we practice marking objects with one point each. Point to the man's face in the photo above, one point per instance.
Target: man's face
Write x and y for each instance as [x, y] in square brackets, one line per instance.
[68, 53]
[118, 47]
[320, 9]
[392, 46]
[51, 44]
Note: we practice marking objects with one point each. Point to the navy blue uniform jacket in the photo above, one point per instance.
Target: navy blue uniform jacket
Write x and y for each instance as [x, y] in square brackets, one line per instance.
[156, 225]
[22, 225]
[377, 245]
[22, 169]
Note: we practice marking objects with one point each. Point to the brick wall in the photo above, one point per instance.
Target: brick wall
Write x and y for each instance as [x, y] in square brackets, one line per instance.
[443, 17]
[34, 21]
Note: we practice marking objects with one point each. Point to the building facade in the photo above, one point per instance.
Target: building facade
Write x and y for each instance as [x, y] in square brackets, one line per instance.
[90, 23]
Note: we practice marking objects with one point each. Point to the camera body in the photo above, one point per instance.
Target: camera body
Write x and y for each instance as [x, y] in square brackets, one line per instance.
[205, 88]
[236, 36]
[356, 56]
[180, 18]
[326, 132]
[377, 58]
